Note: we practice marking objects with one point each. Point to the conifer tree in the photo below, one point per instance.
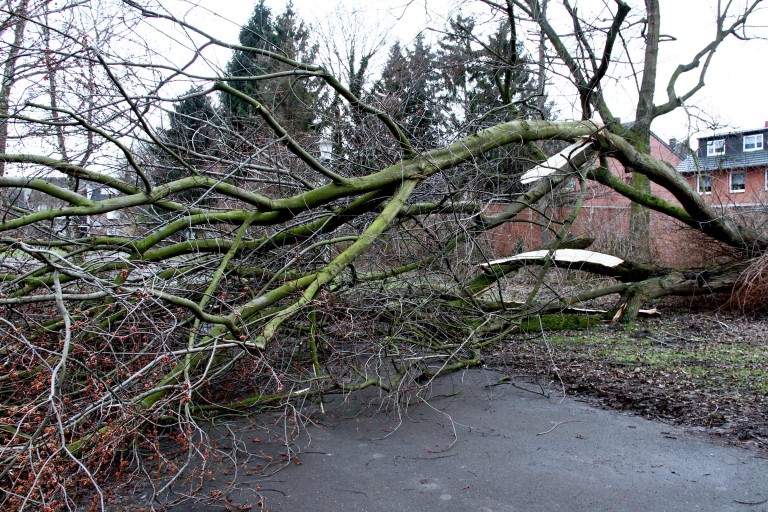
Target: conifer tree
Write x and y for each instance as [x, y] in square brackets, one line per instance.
[490, 80]
[290, 99]
[190, 131]
[188, 143]
[410, 90]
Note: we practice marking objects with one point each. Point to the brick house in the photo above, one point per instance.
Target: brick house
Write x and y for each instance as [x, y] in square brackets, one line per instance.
[731, 170]
[604, 216]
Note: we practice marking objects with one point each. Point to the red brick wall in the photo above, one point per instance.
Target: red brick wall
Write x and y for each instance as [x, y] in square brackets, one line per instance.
[605, 217]
[754, 193]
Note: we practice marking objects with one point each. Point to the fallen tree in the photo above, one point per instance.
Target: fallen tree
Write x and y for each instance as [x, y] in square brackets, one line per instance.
[153, 280]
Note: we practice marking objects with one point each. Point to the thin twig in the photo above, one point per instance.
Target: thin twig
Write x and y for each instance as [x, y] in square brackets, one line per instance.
[556, 425]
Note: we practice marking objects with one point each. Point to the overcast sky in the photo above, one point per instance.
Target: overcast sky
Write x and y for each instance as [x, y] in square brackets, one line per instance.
[733, 96]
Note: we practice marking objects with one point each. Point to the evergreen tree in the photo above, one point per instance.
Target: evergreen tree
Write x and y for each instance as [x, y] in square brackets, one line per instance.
[484, 74]
[410, 91]
[191, 135]
[190, 130]
[456, 58]
[289, 99]
[490, 81]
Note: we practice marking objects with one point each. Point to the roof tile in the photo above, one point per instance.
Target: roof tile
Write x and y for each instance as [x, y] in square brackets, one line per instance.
[724, 162]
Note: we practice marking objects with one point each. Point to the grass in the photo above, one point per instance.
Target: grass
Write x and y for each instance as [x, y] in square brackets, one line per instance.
[722, 363]
[704, 369]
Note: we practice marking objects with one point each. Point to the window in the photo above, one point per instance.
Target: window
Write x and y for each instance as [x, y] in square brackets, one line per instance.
[704, 183]
[753, 142]
[716, 147]
[737, 181]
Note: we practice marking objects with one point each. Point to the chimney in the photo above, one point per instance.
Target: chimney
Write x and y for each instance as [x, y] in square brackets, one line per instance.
[766, 124]
[673, 143]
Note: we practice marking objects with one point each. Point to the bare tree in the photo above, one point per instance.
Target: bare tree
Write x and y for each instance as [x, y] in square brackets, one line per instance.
[17, 23]
[296, 275]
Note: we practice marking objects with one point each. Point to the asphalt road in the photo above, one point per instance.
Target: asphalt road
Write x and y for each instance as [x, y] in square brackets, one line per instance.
[474, 446]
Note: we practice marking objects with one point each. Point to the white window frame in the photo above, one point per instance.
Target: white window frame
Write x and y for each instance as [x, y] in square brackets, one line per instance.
[765, 173]
[712, 147]
[730, 182]
[699, 183]
[755, 142]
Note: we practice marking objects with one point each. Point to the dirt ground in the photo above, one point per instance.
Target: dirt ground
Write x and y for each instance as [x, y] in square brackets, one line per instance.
[707, 370]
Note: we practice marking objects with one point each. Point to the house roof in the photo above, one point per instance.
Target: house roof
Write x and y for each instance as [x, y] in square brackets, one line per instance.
[739, 160]
[724, 162]
[719, 135]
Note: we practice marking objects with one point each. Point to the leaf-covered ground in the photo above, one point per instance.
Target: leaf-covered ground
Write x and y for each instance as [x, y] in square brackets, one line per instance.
[708, 371]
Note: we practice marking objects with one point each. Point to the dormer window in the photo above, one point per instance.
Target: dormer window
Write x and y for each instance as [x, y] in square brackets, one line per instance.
[716, 147]
[753, 142]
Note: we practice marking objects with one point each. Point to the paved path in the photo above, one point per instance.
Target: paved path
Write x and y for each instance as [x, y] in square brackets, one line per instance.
[475, 447]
